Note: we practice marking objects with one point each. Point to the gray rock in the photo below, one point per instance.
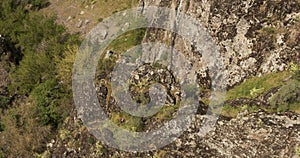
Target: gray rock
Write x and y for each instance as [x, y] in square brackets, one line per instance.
[86, 21]
[79, 24]
[69, 18]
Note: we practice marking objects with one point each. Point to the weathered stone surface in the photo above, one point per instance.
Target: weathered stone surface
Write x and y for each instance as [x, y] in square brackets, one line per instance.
[254, 36]
[258, 134]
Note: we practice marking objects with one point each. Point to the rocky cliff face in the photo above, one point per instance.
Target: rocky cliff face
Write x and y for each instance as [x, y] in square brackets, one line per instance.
[258, 134]
[254, 36]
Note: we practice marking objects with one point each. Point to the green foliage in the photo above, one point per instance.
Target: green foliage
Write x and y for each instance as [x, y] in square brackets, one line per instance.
[25, 30]
[100, 19]
[160, 154]
[26, 4]
[35, 36]
[38, 38]
[64, 65]
[127, 40]
[230, 111]
[257, 85]
[297, 151]
[166, 113]
[1, 153]
[23, 134]
[91, 140]
[48, 96]
[288, 97]
[255, 92]
[106, 65]
[99, 149]
[127, 121]
[118, 46]
[269, 30]
[64, 134]
[4, 102]
[33, 70]
[2, 126]
[41, 103]
[39, 3]
[294, 69]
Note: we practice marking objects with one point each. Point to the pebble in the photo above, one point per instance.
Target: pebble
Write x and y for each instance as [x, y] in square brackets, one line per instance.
[69, 18]
[86, 22]
[79, 23]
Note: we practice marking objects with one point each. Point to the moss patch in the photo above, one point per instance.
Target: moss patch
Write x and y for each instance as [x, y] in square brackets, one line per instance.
[287, 98]
[127, 121]
[257, 85]
[230, 111]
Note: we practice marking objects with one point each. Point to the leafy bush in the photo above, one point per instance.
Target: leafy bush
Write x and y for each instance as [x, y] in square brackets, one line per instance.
[38, 4]
[23, 134]
[33, 69]
[64, 65]
[41, 103]
[40, 42]
[27, 4]
[23, 29]
[48, 96]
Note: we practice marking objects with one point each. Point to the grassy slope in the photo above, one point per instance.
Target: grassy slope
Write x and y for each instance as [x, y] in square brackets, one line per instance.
[260, 84]
[257, 86]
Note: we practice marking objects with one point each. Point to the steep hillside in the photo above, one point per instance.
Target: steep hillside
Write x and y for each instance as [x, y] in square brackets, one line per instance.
[258, 41]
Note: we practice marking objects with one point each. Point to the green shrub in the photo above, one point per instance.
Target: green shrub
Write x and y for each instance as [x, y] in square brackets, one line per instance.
[294, 69]
[287, 98]
[41, 103]
[64, 65]
[297, 151]
[23, 133]
[38, 4]
[33, 69]
[4, 102]
[48, 96]
[100, 19]
[2, 126]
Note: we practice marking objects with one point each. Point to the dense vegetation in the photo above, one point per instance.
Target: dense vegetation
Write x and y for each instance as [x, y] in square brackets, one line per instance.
[35, 100]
